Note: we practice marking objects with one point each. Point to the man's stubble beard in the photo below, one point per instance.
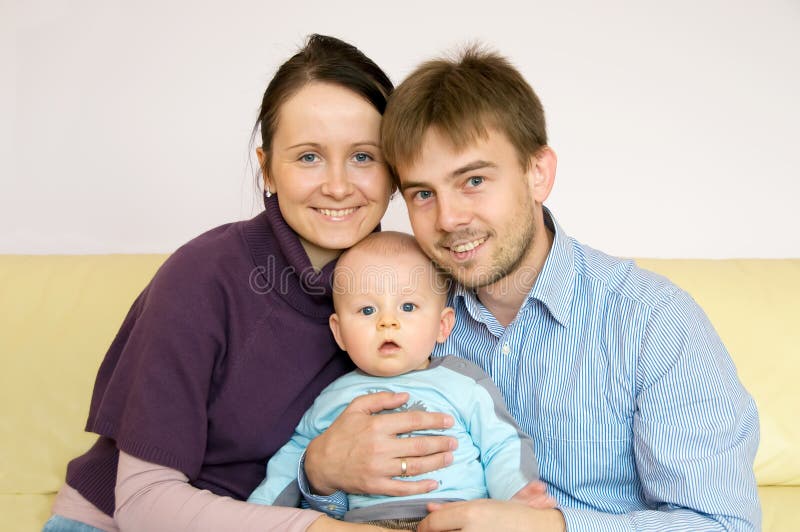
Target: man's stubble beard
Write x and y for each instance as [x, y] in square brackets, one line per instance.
[507, 257]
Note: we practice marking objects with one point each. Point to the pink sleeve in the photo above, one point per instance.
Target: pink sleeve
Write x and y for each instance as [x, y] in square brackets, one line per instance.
[156, 498]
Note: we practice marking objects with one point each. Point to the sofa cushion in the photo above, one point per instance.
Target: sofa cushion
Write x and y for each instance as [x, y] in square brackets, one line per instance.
[59, 314]
[754, 305]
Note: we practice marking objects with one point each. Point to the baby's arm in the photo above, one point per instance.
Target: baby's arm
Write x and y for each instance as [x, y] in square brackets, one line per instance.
[506, 452]
[280, 487]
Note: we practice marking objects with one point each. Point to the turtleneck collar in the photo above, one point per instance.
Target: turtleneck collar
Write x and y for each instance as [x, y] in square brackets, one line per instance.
[284, 263]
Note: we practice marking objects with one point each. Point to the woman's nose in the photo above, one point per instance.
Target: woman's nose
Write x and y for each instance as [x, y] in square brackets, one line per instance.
[337, 183]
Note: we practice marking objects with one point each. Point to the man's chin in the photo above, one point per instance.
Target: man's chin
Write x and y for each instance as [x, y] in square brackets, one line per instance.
[473, 276]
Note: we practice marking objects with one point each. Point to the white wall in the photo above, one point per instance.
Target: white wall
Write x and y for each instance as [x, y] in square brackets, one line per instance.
[125, 125]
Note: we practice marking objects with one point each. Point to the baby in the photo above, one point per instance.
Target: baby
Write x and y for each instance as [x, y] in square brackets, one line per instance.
[390, 310]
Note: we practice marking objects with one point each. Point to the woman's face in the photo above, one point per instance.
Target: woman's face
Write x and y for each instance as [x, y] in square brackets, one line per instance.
[327, 169]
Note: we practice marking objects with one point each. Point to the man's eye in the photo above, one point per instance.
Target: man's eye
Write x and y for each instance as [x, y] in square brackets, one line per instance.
[475, 181]
[366, 311]
[408, 307]
[424, 194]
[308, 157]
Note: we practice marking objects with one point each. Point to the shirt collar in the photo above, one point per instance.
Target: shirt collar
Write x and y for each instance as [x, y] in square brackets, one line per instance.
[554, 284]
[553, 287]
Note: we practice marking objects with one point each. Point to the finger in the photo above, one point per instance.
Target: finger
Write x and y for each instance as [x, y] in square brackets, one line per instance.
[404, 422]
[420, 465]
[443, 517]
[423, 445]
[374, 403]
[399, 488]
[531, 489]
[541, 502]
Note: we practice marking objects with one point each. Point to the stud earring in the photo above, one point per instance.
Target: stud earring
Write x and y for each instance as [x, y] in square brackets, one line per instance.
[267, 192]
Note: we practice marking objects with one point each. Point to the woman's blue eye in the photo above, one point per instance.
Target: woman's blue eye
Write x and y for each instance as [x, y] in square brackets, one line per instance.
[308, 157]
[366, 311]
[408, 307]
[424, 194]
[362, 157]
[475, 181]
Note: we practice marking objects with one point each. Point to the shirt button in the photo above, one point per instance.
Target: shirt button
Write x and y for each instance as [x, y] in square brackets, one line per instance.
[331, 507]
[506, 349]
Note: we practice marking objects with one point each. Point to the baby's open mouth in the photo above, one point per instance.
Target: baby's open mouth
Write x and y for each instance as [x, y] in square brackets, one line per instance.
[389, 346]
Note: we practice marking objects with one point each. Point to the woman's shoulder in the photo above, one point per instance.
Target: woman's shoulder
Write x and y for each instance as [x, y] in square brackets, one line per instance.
[209, 258]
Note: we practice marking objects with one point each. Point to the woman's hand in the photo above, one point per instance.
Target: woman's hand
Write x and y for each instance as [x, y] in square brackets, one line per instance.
[360, 452]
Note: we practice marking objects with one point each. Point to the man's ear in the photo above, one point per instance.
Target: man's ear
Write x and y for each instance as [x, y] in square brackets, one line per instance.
[542, 173]
[446, 321]
[262, 163]
[333, 322]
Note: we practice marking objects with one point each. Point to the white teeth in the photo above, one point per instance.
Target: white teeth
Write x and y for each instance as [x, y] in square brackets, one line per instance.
[337, 213]
[461, 248]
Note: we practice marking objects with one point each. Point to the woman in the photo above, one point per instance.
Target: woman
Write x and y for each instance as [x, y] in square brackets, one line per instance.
[229, 344]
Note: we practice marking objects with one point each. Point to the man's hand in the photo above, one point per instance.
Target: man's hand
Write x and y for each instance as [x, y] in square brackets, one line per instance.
[534, 495]
[360, 452]
[486, 514]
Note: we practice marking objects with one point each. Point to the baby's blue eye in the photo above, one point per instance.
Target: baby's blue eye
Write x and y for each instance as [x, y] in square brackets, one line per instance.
[366, 311]
[408, 307]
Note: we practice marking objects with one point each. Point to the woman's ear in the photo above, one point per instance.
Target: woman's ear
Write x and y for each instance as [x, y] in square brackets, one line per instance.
[262, 164]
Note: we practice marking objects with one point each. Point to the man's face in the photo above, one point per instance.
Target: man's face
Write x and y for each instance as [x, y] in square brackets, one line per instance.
[472, 210]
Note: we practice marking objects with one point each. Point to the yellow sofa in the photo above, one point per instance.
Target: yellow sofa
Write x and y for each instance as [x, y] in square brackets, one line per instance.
[58, 314]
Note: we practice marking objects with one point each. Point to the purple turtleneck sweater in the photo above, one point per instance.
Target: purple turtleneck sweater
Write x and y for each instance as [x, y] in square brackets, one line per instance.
[215, 363]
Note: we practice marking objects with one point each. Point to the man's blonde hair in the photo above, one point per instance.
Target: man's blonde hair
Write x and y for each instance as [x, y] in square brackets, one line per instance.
[461, 98]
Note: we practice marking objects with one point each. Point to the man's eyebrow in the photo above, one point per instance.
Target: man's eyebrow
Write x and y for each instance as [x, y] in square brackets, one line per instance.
[412, 184]
[474, 165]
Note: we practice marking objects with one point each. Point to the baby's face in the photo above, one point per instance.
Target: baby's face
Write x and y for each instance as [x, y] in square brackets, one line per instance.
[389, 313]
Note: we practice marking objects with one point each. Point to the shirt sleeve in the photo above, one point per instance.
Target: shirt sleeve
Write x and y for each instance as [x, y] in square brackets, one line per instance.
[286, 482]
[695, 432]
[159, 499]
[506, 452]
[335, 504]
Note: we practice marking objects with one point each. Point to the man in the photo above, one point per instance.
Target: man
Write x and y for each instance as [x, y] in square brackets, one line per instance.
[637, 414]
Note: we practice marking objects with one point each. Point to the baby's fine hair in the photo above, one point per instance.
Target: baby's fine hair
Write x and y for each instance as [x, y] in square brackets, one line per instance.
[392, 244]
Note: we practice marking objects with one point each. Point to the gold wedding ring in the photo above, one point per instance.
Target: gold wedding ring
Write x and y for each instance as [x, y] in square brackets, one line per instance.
[403, 467]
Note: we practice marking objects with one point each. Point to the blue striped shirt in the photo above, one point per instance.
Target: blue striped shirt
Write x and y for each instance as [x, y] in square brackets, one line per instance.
[638, 418]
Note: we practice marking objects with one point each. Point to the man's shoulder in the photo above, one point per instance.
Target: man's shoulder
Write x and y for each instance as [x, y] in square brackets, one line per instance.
[622, 277]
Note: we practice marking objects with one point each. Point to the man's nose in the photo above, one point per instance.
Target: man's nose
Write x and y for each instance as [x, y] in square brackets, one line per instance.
[453, 213]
